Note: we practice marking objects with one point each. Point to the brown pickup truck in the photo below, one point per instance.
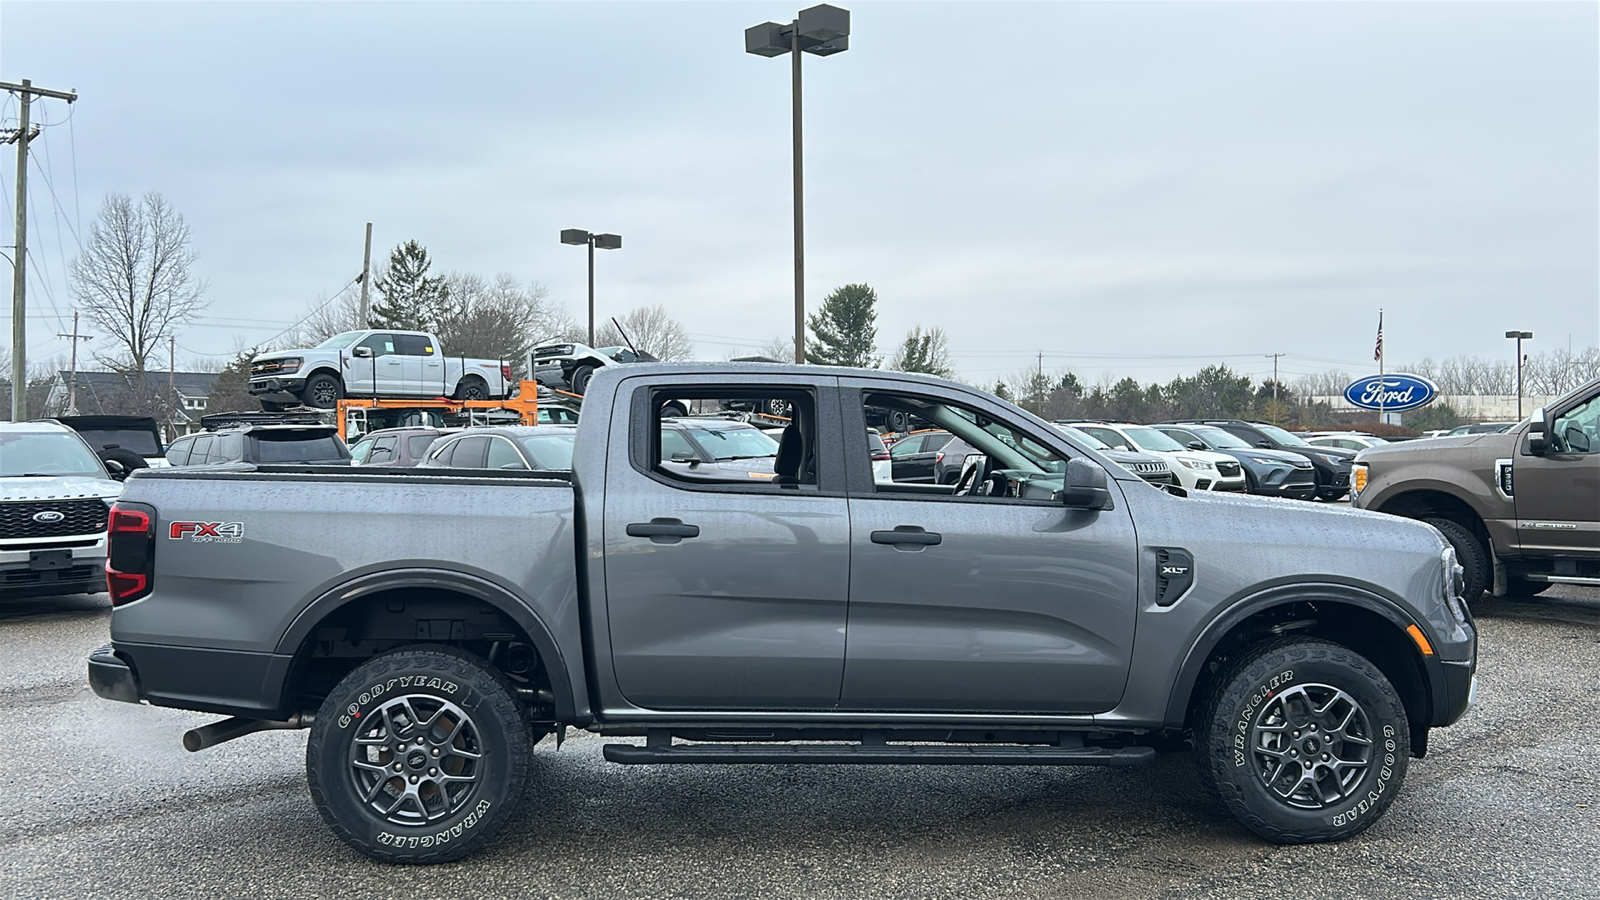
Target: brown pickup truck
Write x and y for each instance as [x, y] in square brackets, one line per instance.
[1522, 507]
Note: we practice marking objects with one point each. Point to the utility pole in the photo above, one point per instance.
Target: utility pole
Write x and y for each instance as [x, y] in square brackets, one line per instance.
[19, 274]
[1275, 385]
[172, 394]
[72, 384]
[366, 276]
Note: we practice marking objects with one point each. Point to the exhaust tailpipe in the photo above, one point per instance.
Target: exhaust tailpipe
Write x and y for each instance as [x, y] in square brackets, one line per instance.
[197, 739]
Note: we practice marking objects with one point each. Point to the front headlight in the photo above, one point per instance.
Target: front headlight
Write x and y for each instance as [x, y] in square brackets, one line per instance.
[1200, 464]
[1358, 477]
[1333, 460]
[1269, 461]
[289, 365]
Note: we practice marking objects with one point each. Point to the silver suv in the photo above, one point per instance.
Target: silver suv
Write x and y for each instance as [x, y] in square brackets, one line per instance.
[54, 496]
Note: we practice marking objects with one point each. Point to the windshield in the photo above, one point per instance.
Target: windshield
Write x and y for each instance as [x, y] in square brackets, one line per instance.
[1151, 439]
[1282, 437]
[45, 453]
[1220, 439]
[340, 341]
[550, 451]
[734, 443]
[1089, 440]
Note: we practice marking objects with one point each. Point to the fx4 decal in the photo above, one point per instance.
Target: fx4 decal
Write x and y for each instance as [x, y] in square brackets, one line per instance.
[208, 532]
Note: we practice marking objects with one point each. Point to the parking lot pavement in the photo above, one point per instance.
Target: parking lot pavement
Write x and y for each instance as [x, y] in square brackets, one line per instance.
[102, 800]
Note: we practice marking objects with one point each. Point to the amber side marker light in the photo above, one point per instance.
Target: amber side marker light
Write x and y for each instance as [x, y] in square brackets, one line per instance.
[1422, 641]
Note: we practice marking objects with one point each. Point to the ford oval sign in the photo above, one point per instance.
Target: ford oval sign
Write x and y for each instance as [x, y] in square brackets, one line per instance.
[1391, 393]
[48, 517]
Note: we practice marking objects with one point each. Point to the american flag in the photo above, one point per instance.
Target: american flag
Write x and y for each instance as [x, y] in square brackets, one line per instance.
[1377, 351]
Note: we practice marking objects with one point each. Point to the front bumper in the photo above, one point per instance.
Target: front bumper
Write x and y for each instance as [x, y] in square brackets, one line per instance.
[1459, 690]
[111, 678]
[277, 388]
[82, 572]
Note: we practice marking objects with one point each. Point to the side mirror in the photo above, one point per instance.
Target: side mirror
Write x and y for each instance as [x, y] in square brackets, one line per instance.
[116, 470]
[1195, 445]
[1084, 486]
[1265, 445]
[684, 456]
[362, 353]
[1537, 443]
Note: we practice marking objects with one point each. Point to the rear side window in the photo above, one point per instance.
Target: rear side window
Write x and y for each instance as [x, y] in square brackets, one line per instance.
[226, 448]
[199, 449]
[419, 444]
[178, 453]
[413, 345]
[470, 452]
[504, 456]
[297, 447]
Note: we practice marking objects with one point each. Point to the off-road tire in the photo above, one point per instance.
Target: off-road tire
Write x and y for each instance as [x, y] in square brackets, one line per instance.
[322, 385]
[472, 388]
[129, 460]
[580, 379]
[782, 409]
[443, 688]
[674, 409]
[1471, 554]
[1238, 737]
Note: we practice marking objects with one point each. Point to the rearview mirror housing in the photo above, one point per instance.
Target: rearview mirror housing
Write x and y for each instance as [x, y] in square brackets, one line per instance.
[1195, 445]
[362, 352]
[1084, 486]
[1537, 426]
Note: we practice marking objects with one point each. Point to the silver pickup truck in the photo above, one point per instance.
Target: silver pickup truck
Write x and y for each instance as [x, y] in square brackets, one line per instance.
[1051, 608]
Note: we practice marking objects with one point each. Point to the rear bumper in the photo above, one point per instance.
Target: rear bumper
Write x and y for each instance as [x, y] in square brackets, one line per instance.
[112, 679]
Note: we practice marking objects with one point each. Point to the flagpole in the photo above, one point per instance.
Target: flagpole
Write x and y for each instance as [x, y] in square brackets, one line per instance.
[1381, 387]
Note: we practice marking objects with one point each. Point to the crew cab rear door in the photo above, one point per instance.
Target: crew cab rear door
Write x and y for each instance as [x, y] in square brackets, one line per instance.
[979, 604]
[724, 593]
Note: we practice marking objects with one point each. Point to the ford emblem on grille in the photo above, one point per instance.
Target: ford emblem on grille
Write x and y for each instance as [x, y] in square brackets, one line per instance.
[48, 517]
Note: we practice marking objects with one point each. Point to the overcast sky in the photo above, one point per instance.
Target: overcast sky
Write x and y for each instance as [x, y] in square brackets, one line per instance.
[1127, 187]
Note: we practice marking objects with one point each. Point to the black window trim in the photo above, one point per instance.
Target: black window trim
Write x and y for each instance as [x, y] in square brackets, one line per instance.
[644, 444]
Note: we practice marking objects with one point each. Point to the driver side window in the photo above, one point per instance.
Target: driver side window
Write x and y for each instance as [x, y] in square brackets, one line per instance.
[980, 457]
[1578, 431]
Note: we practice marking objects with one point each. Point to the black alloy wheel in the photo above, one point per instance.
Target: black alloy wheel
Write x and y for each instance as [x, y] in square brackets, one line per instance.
[1305, 741]
[322, 391]
[419, 755]
[472, 388]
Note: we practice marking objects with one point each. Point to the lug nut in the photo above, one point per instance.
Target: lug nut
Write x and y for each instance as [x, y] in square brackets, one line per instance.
[413, 779]
[397, 767]
[433, 771]
[436, 751]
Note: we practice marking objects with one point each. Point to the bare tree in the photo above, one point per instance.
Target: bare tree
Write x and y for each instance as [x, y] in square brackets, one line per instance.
[923, 351]
[135, 278]
[325, 317]
[652, 331]
[498, 319]
[779, 348]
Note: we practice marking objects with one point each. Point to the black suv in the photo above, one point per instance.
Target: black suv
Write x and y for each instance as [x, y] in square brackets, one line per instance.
[243, 440]
[1332, 464]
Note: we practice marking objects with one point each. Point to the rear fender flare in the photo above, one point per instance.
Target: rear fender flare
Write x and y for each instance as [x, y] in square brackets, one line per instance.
[544, 641]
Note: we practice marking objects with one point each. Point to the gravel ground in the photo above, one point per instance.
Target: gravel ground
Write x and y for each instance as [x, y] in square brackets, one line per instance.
[104, 801]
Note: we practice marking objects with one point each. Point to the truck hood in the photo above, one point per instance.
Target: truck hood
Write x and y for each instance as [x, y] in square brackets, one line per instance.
[71, 487]
[1474, 445]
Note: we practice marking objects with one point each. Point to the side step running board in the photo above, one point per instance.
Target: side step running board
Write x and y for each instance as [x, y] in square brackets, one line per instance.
[880, 754]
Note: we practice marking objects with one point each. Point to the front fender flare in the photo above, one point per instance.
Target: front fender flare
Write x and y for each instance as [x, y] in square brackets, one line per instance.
[1282, 595]
[495, 595]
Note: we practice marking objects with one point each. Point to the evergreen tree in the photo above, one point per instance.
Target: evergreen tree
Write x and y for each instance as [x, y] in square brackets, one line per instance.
[845, 331]
[924, 351]
[409, 299]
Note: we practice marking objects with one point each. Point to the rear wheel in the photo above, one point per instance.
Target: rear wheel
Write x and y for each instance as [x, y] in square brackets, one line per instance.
[1305, 741]
[1471, 554]
[419, 755]
[472, 388]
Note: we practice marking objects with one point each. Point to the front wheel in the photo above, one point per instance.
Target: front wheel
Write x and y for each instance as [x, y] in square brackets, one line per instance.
[1305, 741]
[1476, 569]
[419, 755]
[322, 391]
[580, 379]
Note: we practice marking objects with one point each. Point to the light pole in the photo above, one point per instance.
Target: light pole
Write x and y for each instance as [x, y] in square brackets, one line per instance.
[1520, 337]
[602, 241]
[822, 30]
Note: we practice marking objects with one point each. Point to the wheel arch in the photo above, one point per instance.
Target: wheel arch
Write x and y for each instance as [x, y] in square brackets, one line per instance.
[1366, 623]
[1429, 502]
[297, 639]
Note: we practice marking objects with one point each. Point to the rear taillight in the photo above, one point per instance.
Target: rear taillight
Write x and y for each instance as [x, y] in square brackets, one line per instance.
[880, 455]
[130, 551]
[505, 371]
[940, 457]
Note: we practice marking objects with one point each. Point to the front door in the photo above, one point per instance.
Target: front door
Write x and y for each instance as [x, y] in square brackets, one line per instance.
[377, 374]
[730, 593]
[1558, 494]
[984, 603]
